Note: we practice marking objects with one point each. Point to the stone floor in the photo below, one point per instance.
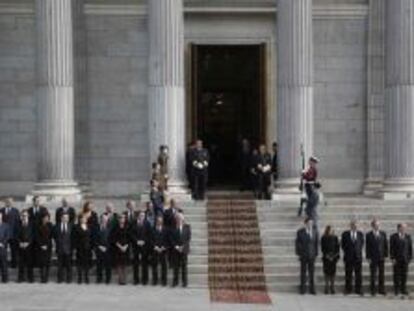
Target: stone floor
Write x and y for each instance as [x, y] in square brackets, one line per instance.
[53, 297]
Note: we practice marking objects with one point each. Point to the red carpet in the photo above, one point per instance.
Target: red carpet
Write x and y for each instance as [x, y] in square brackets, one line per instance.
[235, 272]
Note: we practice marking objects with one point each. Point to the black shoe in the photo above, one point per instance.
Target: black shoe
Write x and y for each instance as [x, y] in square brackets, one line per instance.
[405, 293]
[312, 292]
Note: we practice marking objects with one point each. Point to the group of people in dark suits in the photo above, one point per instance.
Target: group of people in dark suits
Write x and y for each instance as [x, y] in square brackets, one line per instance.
[352, 243]
[257, 168]
[144, 238]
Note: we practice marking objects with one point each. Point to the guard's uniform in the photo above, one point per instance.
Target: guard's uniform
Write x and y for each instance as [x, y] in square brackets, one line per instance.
[310, 183]
[200, 161]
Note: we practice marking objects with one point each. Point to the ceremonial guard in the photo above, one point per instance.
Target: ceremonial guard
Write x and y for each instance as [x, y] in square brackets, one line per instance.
[200, 161]
[376, 250]
[311, 185]
[306, 244]
[264, 172]
[275, 169]
[157, 197]
[352, 243]
[140, 237]
[401, 253]
[11, 216]
[27, 255]
[162, 161]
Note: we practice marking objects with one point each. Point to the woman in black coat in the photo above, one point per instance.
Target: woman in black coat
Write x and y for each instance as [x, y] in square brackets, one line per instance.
[43, 251]
[330, 257]
[120, 245]
[82, 240]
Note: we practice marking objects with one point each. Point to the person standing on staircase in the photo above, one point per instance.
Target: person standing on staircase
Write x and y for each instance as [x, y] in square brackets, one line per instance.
[330, 250]
[306, 245]
[200, 162]
[376, 251]
[352, 242]
[311, 184]
[401, 253]
[264, 173]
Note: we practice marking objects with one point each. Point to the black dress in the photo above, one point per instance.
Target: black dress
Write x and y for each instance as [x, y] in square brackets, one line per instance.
[43, 238]
[120, 235]
[83, 246]
[330, 251]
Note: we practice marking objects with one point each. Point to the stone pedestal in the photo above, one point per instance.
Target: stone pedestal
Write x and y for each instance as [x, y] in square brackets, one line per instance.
[295, 92]
[55, 96]
[399, 101]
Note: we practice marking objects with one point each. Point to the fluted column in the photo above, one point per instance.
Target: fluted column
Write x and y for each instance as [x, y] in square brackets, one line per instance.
[295, 89]
[55, 99]
[166, 86]
[399, 103]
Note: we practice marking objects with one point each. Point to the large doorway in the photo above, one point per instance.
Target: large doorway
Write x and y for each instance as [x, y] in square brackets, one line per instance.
[228, 104]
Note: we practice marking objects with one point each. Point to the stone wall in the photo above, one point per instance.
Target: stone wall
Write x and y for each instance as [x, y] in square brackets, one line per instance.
[340, 100]
[117, 91]
[17, 104]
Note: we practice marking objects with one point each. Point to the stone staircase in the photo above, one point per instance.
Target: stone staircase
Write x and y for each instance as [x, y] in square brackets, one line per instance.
[279, 222]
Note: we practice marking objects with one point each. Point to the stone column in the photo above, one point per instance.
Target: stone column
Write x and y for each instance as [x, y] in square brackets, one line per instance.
[55, 100]
[166, 86]
[399, 100]
[295, 90]
[376, 94]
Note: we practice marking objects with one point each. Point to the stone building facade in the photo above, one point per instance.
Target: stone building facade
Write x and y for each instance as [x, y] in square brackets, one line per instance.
[90, 88]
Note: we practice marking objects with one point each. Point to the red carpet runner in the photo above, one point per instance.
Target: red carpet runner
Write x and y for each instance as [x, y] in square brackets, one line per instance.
[235, 258]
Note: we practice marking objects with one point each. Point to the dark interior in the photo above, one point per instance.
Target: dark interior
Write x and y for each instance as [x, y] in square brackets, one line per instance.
[229, 104]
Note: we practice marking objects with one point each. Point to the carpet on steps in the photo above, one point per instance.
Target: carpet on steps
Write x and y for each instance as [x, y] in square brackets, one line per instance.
[236, 272]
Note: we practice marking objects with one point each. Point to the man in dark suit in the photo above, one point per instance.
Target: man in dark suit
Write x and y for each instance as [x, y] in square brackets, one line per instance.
[307, 250]
[352, 243]
[275, 169]
[140, 236]
[102, 246]
[159, 245]
[200, 161]
[244, 160]
[65, 208]
[11, 216]
[180, 243]
[64, 248]
[376, 250]
[401, 253]
[264, 172]
[37, 212]
[4, 240]
[25, 239]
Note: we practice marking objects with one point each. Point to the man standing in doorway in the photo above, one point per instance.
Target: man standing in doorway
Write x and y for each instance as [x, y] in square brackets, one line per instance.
[200, 161]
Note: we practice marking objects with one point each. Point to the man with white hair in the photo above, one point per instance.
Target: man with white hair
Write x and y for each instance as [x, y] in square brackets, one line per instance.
[180, 242]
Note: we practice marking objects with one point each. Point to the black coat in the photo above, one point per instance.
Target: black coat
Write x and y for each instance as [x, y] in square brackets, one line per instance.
[376, 249]
[160, 238]
[401, 250]
[25, 234]
[13, 219]
[330, 248]
[36, 219]
[43, 238]
[82, 243]
[64, 241]
[199, 156]
[120, 236]
[181, 239]
[263, 160]
[352, 250]
[137, 233]
[306, 247]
